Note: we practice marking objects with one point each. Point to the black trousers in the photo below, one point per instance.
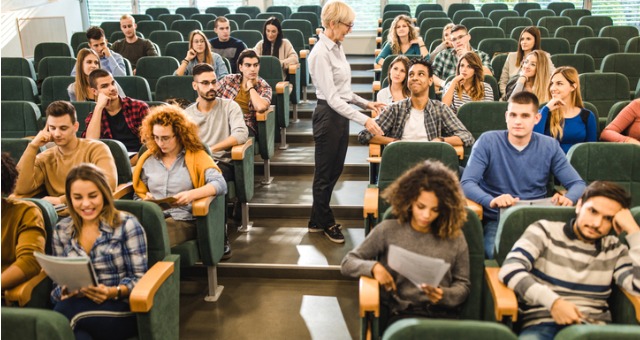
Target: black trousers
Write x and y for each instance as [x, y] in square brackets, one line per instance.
[331, 136]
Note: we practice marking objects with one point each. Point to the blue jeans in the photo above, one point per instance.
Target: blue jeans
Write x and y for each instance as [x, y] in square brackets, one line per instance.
[543, 331]
[490, 230]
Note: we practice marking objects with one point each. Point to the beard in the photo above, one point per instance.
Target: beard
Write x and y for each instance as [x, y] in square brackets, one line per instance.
[208, 96]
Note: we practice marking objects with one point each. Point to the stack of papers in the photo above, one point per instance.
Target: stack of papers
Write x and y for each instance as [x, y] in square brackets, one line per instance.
[73, 272]
[419, 269]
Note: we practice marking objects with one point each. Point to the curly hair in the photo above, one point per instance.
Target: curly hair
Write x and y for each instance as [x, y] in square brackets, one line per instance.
[185, 130]
[432, 176]
[477, 88]
[556, 119]
[393, 38]
[9, 173]
[81, 85]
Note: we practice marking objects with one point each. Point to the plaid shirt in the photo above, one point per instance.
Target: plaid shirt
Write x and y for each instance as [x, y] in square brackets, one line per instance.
[119, 254]
[446, 62]
[134, 112]
[229, 88]
[439, 121]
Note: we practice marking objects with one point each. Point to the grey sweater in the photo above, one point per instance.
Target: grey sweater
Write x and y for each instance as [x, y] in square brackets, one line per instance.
[455, 284]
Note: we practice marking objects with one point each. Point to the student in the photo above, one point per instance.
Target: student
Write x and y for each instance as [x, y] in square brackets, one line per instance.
[446, 41]
[397, 79]
[507, 166]
[226, 45]
[419, 118]
[23, 231]
[468, 85]
[625, 128]
[116, 244]
[238, 87]
[562, 271]
[80, 90]
[429, 208]
[533, 77]
[564, 116]
[109, 60]
[200, 52]
[275, 45]
[47, 170]
[404, 38]
[132, 47]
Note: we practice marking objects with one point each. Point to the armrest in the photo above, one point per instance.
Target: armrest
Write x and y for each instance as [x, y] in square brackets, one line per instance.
[374, 160]
[293, 68]
[122, 190]
[319, 30]
[475, 207]
[369, 296]
[379, 21]
[22, 292]
[377, 67]
[281, 85]
[379, 30]
[312, 41]
[378, 40]
[238, 151]
[505, 302]
[459, 151]
[376, 52]
[262, 116]
[376, 86]
[304, 54]
[375, 150]
[200, 206]
[371, 202]
[141, 297]
[635, 301]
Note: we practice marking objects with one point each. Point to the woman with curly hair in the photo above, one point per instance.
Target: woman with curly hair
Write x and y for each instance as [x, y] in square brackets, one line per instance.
[175, 165]
[564, 116]
[80, 90]
[468, 84]
[403, 38]
[533, 77]
[428, 204]
[397, 77]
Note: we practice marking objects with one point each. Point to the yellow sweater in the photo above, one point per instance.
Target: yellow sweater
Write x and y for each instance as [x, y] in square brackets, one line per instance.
[51, 167]
[22, 233]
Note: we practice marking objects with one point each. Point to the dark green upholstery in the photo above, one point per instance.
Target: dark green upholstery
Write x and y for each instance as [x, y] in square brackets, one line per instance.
[218, 10]
[575, 14]
[393, 14]
[427, 7]
[303, 26]
[82, 112]
[19, 119]
[311, 17]
[453, 8]
[493, 46]
[186, 26]
[615, 162]
[555, 46]
[17, 67]
[597, 47]
[615, 110]
[296, 38]
[140, 17]
[34, 324]
[509, 23]
[432, 35]
[433, 22]
[430, 14]
[471, 23]
[523, 7]
[146, 27]
[497, 64]
[134, 87]
[386, 24]
[466, 13]
[480, 33]
[633, 45]
[121, 158]
[203, 18]
[55, 88]
[156, 11]
[596, 22]
[152, 68]
[19, 88]
[603, 90]
[187, 12]
[573, 34]
[396, 7]
[210, 34]
[516, 31]
[249, 37]
[317, 9]
[284, 10]
[537, 14]
[251, 11]
[599, 332]
[487, 8]
[582, 62]
[163, 38]
[296, 79]
[271, 72]
[558, 7]
[77, 38]
[14, 146]
[267, 15]
[241, 19]
[498, 14]
[175, 87]
[265, 143]
[625, 63]
[554, 23]
[622, 33]
[491, 80]
[168, 19]
[480, 117]
[415, 329]
[51, 49]
[109, 27]
[177, 50]
[55, 66]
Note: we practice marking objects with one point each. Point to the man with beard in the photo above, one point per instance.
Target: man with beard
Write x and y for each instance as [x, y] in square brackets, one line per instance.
[220, 123]
[114, 117]
[562, 271]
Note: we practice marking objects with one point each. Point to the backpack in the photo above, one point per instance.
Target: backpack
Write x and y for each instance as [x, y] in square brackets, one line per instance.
[584, 115]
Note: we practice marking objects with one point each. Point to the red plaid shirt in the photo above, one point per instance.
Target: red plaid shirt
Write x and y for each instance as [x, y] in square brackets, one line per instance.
[134, 112]
[229, 88]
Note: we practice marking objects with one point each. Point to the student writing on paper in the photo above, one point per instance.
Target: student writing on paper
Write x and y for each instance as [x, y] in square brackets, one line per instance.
[428, 204]
[117, 246]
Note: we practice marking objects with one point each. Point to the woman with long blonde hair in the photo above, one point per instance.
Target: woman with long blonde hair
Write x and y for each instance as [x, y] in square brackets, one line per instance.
[80, 90]
[564, 116]
[200, 52]
[468, 84]
[403, 38]
[533, 77]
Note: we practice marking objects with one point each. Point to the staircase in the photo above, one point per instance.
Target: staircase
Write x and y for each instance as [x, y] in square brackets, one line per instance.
[283, 282]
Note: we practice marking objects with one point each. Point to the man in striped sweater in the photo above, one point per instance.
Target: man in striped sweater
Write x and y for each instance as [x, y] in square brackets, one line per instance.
[562, 271]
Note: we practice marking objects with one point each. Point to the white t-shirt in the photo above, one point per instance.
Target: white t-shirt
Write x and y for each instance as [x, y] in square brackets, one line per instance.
[414, 129]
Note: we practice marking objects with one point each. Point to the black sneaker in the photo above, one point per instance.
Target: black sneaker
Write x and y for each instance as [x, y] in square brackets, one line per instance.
[334, 234]
[314, 228]
[227, 247]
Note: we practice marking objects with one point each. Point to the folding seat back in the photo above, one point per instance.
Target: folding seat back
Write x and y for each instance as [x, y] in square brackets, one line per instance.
[135, 87]
[471, 23]
[268, 15]
[176, 49]
[239, 18]
[109, 27]
[255, 25]
[396, 7]
[218, 10]
[573, 34]
[393, 14]
[558, 7]
[466, 13]
[583, 63]
[575, 14]
[622, 33]
[493, 46]
[427, 7]
[55, 66]
[487, 8]
[480, 33]
[140, 17]
[156, 12]
[317, 9]
[146, 27]
[163, 38]
[596, 22]
[311, 17]
[15, 147]
[77, 38]
[55, 88]
[17, 66]
[185, 27]
[509, 23]
[19, 88]
[152, 68]
[597, 47]
[615, 110]
[625, 63]
[480, 117]
[249, 37]
[83, 109]
[497, 15]
[537, 14]
[203, 18]
[187, 12]
[603, 90]
[285, 10]
[303, 26]
[421, 328]
[429, 23]
[251, 11]
[555, 46]
[433, 34]
[553, 23]
[51, 49]
[175, 87]
[19, 119]
[453, 8]
[633, 45]
[523, 7]
[430, 14]
[168, 19]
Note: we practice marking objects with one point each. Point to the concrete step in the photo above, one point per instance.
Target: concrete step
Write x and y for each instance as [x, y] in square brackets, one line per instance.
[302, 132]
[299, 159]
[363, 90]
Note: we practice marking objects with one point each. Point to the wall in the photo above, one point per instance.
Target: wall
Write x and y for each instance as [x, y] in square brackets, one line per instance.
[9, 39]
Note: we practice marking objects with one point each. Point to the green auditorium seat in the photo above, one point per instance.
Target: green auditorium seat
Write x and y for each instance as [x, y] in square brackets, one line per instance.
[177, 50]
[597, 47]
[268, 15]
[147, 27]
[573, 34]
[497, 64]
[471, 23]
[240, 19]
[466, 13]
[493, 46]
[498, 14]
[35, 323]
[575, 14]
[77, 38]
[163, 38]
[253, 25]
[491, 80]
[117, 35]
[251, 11]
[51, 49]
[622, 33]
[427, 7]
[296, 39]
[55, 88]
[537, 14]
[303, 26]
[55, 66]
[187, 12]
[19, 88]
[311, 17]
[558, 7]
[317, 9]
[555, 46]
[480, 33]
[19, 119]
[156, 12]
[615, 110]
[596, 22]
[109, 27]
[428, 23]
[633, 45]
[152, 68]
[140, 17]
[17, 66]
[186, 26]
[576, 332]
[218, 10]
[432, 35]
[168, 19]
[396, 7]
[509, 23]
[135, 87]
[15, 146]
[249, 37]
[454, 7]
[422, 328]
[552, 24]
[429, 15]
[487, 8]
[480, 117]
[83, 109]
[603, 90]
[582, 62]
[203, 18]
[284, 10]
[175, 87]
[625, 63]
[523, 7]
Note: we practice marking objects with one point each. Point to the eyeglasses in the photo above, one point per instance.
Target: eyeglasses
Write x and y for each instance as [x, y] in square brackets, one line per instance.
[348, 25]
[162, 139]
[207, 83]
[454, 39]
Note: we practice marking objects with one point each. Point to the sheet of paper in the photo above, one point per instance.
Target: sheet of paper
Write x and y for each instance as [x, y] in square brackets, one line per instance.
[419, 269]
[73, 272]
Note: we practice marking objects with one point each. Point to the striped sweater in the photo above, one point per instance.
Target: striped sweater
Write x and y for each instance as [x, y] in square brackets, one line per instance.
[550, 262]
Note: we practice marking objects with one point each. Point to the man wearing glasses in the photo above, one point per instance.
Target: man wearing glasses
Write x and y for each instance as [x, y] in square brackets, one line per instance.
[444, 66]
[220, 124]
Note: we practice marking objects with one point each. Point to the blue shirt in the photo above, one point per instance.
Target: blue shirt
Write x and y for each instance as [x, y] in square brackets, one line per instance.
[119, 254]
[495, 167]
[574, 130]
[414, 49]
[114, 64]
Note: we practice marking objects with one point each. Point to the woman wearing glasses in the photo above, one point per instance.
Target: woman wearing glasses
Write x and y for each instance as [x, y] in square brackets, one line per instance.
[331, 76]
[175, 165]
[200, 52]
